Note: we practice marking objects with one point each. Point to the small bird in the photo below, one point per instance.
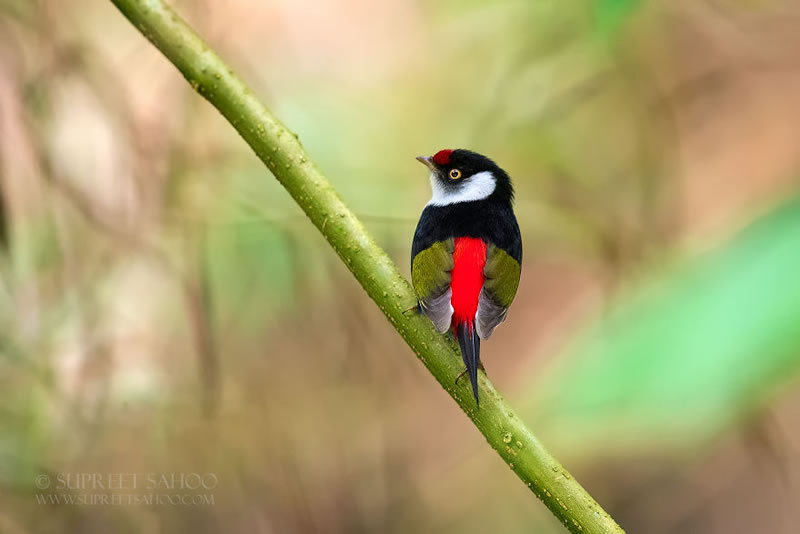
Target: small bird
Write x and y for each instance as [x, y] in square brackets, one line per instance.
[467, 251]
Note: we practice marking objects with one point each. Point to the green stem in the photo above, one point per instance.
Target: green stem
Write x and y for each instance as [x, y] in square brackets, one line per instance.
[281, 151]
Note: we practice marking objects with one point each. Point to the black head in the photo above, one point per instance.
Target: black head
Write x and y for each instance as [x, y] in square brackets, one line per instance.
[462, 176]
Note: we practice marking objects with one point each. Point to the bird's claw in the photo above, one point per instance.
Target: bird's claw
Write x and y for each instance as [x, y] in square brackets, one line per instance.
[459, 376]
[480, 366]
[411, 311]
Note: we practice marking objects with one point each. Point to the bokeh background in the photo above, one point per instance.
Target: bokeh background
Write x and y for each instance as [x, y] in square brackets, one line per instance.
[166, 308]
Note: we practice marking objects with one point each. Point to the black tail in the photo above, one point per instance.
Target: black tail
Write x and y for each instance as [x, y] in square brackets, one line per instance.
[470, 345]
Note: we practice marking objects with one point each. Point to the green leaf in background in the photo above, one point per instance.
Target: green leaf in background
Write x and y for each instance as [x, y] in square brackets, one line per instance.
[610, 15]
[689, 354]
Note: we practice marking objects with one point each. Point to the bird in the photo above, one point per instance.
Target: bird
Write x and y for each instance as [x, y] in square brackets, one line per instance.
[466, 255]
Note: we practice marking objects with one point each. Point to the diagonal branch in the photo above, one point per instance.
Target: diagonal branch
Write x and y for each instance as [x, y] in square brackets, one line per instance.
[281, 151]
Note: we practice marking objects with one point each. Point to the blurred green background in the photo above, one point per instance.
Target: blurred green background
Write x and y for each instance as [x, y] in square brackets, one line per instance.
[166, 308]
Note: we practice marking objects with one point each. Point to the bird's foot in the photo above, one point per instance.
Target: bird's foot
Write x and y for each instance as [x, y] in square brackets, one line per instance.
[480, 366]
[461, 375]
[412, 310]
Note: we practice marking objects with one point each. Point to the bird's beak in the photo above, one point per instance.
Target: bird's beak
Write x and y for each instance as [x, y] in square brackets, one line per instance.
[427, 161]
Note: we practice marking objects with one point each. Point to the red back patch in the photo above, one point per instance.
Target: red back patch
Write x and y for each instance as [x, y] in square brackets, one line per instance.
[442, 157]
[469, 259]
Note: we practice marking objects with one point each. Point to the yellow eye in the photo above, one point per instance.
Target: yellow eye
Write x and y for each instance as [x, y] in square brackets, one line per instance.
[455, 174]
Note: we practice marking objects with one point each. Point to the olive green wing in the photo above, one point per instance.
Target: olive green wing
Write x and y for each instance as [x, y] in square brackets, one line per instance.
[430, 275]
[501, 274]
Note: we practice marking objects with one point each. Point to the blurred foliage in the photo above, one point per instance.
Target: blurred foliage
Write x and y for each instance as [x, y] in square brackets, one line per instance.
[691, 352]
[610, 15]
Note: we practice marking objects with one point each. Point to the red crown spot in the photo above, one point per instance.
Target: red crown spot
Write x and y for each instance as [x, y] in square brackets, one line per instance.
[442, 157]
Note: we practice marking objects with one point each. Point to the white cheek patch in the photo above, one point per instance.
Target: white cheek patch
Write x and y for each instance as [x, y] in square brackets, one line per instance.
[476, 187]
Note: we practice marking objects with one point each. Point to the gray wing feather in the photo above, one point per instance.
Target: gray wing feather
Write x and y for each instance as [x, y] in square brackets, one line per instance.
[489, 315]
[439, 310]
